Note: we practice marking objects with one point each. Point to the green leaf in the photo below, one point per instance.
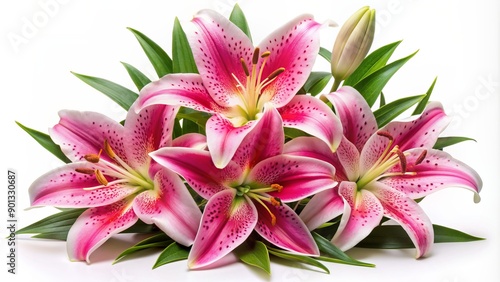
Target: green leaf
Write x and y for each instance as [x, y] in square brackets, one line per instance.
[256, 255]
[371, 86]
[390, 111]
[121, 95]
[141, 227]
[395, 237]
[451, 140]
[382, 100]
[182, 56]
[238, 18]
[140, 80]
[174, 252]
[156, 55]
[333, 252]
[200, 118]
[316, 82]
[376, 60]
[294, 133]
[421, 106]
[60, 236]
[46, 142]
[156, 241]
[327, 55]
[189, 127]
[55, 226]
[298, 258]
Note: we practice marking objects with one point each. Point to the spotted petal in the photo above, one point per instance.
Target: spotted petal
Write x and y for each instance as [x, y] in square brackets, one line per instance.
[96, 225]
[185, 90]
[226, 223]
[362, 213]
[322, 207]
[408, 214]
[191, 140]
[82, 133]
[218, 45]
[438, 170]
[300, 176]
[170, 207]
[64, 187]
[196, 167]
[294, 47]
[288, 232]
[148, 131]
[312, 116]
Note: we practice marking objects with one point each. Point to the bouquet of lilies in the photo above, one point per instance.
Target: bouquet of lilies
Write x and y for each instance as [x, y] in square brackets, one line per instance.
[239, 152]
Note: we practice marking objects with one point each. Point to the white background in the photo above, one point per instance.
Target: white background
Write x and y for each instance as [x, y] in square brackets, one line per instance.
[459, 43]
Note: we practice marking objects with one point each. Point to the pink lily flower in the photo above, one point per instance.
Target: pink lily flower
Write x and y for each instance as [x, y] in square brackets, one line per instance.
[381, 172]
[112, 175]
[250, 192]
[236, 80]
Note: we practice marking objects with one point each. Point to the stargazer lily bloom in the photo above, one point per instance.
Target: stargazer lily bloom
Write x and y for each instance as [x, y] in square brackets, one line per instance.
[250, 192]
[113, 176]
[381, 172]
[236, 80]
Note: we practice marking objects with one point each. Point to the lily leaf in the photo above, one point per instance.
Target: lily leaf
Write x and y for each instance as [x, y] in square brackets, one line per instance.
[238, 18]
[121, 95]
[294, 133]
[200, 118]
[182, 56]
[140, 80]
[371, 86]
[326, 247]
[382, 100]
[374, 61]
[160, 60]
[451, 140]
[46, 142]
[298, 258]
[316, 82]
[421, 106]
[327, 55]
[189, 126]
[394, 237]
[156, 241]
[256, 255]
[390, 111]
[174, 252]
[55, 226]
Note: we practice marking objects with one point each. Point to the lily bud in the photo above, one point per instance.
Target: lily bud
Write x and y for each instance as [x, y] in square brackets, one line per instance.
[352, 44]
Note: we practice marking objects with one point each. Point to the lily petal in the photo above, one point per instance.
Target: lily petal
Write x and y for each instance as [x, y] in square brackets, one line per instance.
[293, 47]
[348, 156]
[300, 176]
[96, 225]
[355, 115]
[147, 131]
[185, 90]
[264, 140]
[170, 207]
[362, 213]
[288, 232]
[322, 207]
[314, 117]
[408, 214]
[82, 133]
[314, 148]
[218, 45]
[223, 138]
[191, 140]
[64, 187]
[226, 223]
[196, 167]
[437, 171]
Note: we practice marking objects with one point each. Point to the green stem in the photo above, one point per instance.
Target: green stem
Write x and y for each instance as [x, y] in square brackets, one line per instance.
[335, 86]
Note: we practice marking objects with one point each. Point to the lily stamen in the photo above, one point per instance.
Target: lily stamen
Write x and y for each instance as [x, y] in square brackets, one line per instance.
[258, 198]
[93, 158]
[275, 201]
[421, 158]
[100, 178]
[88, 171]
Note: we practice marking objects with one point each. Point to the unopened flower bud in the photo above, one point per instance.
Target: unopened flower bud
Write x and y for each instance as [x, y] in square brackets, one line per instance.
[352, 44]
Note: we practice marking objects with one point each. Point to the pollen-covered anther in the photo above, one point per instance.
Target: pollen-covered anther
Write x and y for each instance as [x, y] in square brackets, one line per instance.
[421, 158]
[93, 158]
[275, 73]
[88, 171]
[402, 160]
[386, 135]
[273, 219]
[100, 178]
[255, 58]
[109, 150]
[275, 201]
[277, 187]
[245, 67]
[265, 54]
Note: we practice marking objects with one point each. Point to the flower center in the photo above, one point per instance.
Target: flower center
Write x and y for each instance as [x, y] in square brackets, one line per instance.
[387, 160]
[259, 195]
[250, 92]
[119, 171]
